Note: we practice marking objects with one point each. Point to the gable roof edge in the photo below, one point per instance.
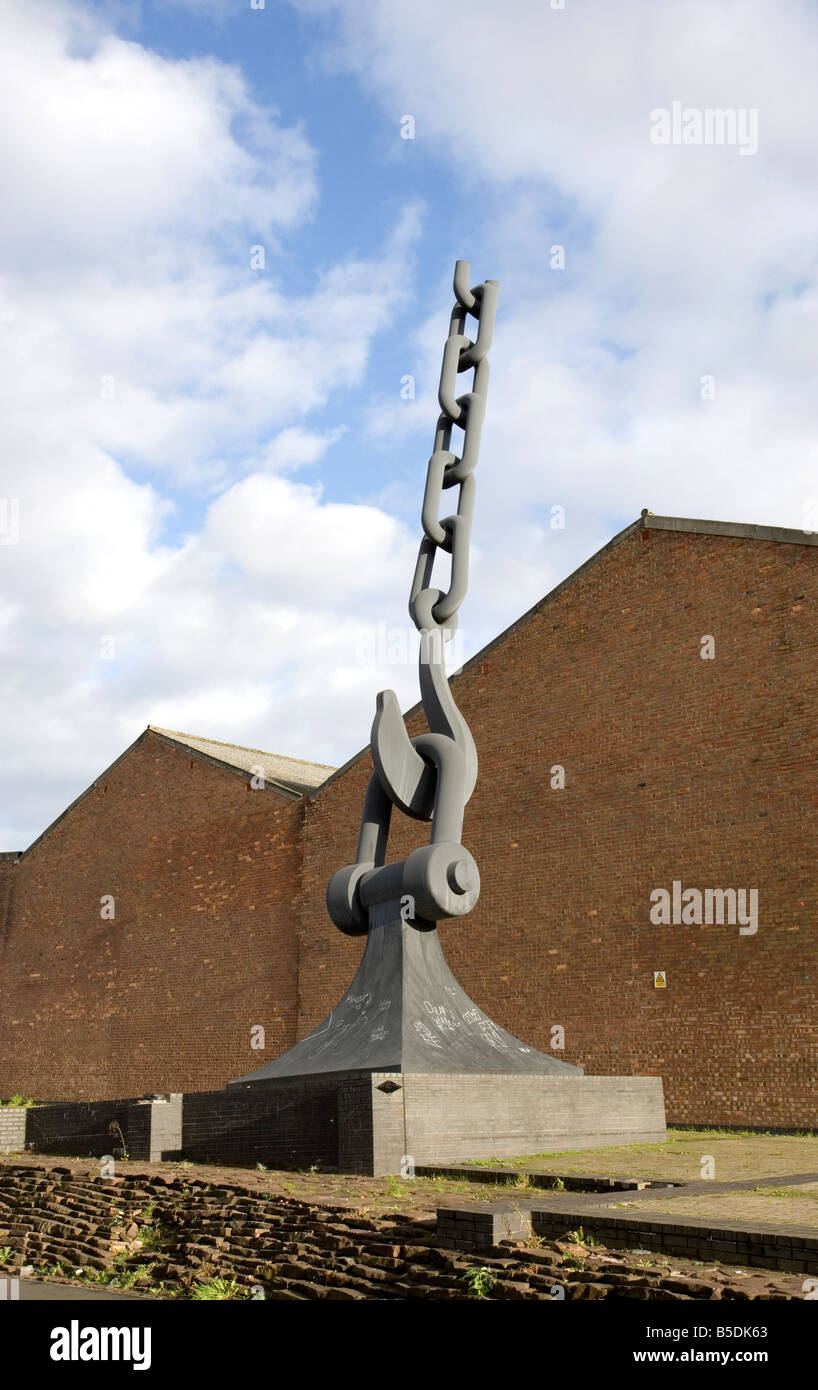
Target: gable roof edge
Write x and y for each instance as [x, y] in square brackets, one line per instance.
[501, 636]
[289, 793]
[741, 530]
[646, 521]
[82, 795]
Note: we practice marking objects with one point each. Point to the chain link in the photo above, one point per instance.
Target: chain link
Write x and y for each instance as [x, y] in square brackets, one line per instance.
[431, 776]
[430, 609]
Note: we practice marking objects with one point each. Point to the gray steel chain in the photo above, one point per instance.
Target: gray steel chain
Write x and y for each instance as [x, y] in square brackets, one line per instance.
[432, 776]
[431, 610]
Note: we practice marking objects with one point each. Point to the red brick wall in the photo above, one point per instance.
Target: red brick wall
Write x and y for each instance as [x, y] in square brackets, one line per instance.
[6, 885]
[203, 946]
[677, 768]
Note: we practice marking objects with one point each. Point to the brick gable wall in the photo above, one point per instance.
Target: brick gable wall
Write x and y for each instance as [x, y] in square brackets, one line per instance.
[204, 873]
[677, 769]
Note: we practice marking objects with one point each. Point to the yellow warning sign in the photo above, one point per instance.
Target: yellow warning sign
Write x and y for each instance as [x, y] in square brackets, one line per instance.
[659, 981]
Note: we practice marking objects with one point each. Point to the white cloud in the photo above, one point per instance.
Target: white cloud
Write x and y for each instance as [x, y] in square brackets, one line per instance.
[681, 261]
[142, 344]
[294, 447]
[307, 550]
[111, 147]
[135, 188]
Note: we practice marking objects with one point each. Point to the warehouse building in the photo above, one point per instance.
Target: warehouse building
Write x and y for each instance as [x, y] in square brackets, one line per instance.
[647, 738]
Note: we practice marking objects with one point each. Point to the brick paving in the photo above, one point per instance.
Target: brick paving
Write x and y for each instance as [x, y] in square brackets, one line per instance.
[179, 1230]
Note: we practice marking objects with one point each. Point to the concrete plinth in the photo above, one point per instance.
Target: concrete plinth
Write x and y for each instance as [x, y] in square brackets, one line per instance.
[408, 1069]
[365, 1122]
[385, 1122]
[446, 1118]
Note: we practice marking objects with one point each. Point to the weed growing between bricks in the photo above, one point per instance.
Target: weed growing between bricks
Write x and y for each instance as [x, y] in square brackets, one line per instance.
[181, 1237]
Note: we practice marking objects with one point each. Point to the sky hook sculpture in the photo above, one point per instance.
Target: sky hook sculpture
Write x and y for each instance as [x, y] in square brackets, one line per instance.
[405, 1011]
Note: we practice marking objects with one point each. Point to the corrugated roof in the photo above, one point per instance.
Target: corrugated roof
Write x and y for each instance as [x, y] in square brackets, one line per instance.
[293, 774]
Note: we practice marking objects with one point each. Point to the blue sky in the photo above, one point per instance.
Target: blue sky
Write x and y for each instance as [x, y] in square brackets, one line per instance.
[367, 173]
[217, 481]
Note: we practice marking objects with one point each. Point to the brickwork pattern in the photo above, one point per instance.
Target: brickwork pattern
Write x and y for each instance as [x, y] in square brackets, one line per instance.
[204, 872]
[677, 769]
[358, 1122]
[91, 1129]
[293, 1123]
[185, 1230]
[482, 1226]
[795, 1251]
[454, 1117]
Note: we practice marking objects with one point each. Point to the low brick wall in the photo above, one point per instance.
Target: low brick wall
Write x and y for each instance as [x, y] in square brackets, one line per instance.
[83, 1128]
[481, 1226]
[12, 1128]
[360, 1122]
[794, 1249]
[149, 1129]
[378, 1122]
[292, 1122]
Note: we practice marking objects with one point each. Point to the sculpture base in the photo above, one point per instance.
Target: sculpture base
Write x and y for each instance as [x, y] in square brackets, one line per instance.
[377, 1123]
[371, 1123]
[408, 1069]
[406, 1012]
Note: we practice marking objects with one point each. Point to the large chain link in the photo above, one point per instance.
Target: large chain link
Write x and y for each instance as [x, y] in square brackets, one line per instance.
[432, 776]
[429, 608]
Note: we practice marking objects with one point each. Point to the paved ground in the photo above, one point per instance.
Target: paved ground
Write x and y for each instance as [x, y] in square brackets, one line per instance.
[42, 1291]
[374, 1196]
[766, 1205]
[710, 1201]
[735, 1156]
[184, 1232]
[755, 1160]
